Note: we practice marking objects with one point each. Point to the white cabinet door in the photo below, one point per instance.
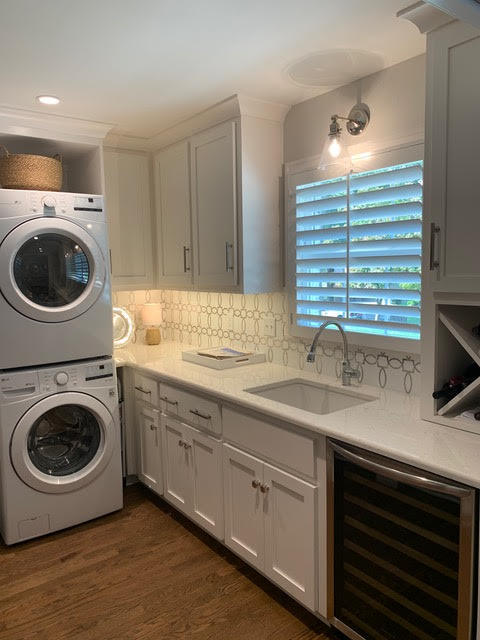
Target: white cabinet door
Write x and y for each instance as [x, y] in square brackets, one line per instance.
[176, 480]
[150, 452]
[214, 206]
[172, 189]
[128, 207]
[289, 508]
[452, 187]
[244, 521]
[206, 481]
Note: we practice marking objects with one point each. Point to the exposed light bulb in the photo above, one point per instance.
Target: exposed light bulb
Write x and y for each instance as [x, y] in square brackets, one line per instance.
[48, 99]
[334, 148]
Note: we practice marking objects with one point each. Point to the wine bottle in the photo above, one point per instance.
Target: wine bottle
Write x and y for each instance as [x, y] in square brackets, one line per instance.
[456, 384]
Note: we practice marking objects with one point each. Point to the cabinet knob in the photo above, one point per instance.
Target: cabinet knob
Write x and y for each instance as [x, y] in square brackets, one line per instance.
[256, 483]
[264, 488]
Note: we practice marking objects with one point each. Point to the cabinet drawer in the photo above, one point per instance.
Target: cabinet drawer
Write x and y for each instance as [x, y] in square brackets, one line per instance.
[170, 400]
[201, 412]
[146, 389]
[196, 410]
[273, 442]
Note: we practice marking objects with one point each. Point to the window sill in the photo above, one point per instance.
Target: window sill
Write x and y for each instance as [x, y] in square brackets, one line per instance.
[382, 343]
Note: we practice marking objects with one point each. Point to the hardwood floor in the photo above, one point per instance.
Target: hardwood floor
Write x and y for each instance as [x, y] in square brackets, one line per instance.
[143, 573]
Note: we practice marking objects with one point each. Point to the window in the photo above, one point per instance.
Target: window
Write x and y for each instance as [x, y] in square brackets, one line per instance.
[358, 251]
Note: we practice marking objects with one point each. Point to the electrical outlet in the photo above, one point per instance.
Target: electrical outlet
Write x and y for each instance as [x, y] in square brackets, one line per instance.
[269, 327]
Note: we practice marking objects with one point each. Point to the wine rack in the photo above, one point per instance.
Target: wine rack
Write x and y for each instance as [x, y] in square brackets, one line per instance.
[456, 348]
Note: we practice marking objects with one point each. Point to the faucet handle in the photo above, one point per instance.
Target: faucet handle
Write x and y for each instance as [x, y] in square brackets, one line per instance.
[348, 373]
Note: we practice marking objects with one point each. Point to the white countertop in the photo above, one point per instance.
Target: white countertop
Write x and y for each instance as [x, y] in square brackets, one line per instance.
[390, 425]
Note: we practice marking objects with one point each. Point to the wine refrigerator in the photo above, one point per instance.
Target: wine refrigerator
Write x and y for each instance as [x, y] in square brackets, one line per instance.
[402, 550]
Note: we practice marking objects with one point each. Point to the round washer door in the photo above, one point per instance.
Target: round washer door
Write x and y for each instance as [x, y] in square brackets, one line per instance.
[63, 442]
[51, 270]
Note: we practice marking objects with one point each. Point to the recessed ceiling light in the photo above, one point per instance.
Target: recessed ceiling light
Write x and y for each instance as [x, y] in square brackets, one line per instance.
[48, 99]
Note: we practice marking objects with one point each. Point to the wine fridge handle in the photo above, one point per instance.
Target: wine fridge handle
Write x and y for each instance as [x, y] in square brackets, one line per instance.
[395, 472]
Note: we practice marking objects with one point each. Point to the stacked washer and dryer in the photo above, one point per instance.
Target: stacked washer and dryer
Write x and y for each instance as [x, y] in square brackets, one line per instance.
[60, 445]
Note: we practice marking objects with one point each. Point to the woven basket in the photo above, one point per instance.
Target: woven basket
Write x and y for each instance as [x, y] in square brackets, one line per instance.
[25, 171]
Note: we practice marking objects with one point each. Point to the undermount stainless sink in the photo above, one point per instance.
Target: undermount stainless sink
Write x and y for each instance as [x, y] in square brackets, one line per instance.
[311, 396]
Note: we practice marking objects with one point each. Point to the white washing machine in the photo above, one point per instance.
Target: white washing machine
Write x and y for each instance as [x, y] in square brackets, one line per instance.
[60, 448]
[55, 302]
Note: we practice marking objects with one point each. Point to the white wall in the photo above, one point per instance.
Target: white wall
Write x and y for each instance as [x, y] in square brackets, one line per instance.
[396, 97]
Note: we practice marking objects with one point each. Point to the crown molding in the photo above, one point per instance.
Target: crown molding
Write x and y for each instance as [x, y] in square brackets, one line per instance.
[22, 122]
[425, 16]
[261, 109]
[216, 114]
[232, 107]
[465, 10]
[115, 140]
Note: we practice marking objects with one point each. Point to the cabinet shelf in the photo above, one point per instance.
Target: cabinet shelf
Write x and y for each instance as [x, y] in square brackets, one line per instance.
[459, 320]
[469, 342]
[462, 400]
[81, 162]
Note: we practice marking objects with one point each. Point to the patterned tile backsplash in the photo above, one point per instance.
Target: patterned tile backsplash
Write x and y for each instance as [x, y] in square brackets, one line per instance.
[210, 319]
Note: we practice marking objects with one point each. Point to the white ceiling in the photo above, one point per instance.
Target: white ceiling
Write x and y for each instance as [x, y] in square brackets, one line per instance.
[145, 65]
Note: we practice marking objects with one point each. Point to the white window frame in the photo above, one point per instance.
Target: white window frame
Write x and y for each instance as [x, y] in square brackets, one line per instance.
[309, 170]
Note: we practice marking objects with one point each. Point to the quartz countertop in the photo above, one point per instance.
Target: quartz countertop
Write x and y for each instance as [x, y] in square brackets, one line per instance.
[390, 425]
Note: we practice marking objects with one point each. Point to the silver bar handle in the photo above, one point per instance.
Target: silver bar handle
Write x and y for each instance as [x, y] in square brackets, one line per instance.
[197, 413]
[172, 402]
[434, 229]
[186, 250]
[394, 472]
[148, 393]
[228, 266]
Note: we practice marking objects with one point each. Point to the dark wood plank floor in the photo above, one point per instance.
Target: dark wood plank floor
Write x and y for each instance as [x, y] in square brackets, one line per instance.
[143, 573]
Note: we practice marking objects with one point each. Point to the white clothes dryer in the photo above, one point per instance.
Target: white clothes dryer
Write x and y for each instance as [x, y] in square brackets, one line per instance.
[60, 448]
[55, 302]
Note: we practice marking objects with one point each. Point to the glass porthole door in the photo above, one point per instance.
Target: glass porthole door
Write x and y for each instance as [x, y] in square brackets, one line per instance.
[51, 271]
[63, 442]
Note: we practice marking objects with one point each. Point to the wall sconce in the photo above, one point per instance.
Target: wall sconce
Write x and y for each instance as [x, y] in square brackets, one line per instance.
[356, 122]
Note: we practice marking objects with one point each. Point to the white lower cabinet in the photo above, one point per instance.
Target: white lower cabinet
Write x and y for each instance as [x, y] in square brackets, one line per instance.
[193, 474]
[244, 520]
[175, 464]
[290, 534]
[150, 447]
[270, 522]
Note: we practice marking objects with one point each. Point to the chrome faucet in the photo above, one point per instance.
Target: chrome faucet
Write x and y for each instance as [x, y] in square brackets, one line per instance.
[347, 371]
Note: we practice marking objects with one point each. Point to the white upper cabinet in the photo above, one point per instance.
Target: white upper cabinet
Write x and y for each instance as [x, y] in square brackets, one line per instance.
[452, 187]
[218, 204]
[172, 197]
[214, 206]
[128, 207]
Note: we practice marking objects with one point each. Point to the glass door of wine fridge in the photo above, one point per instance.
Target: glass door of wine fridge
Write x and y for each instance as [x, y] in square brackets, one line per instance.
[402, 550]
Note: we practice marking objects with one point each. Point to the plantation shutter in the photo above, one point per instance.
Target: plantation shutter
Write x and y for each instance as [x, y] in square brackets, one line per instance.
[358, 251]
